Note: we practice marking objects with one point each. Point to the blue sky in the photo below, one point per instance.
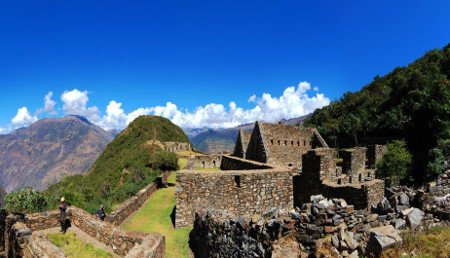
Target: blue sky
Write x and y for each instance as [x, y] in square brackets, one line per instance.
[144, 54]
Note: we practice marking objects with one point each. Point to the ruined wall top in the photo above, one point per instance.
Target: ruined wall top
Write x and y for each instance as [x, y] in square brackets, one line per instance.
[282, 145]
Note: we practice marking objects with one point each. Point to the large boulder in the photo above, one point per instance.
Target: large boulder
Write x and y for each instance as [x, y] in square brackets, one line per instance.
[381, 238]
[413, 217]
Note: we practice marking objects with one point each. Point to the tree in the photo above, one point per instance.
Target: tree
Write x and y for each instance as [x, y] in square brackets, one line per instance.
[395, 164]
[435, 164]
[26, 200]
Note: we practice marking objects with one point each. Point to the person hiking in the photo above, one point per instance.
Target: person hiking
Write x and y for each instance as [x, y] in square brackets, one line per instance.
[101, 213]
[62, 215]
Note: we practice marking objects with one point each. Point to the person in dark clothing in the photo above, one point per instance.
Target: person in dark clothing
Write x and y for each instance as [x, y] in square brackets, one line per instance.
[62, 215]
[101, 213]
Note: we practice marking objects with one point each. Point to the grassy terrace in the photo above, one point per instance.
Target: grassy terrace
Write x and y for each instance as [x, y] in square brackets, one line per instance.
[433, 243]
[72, 246]
[154, 217]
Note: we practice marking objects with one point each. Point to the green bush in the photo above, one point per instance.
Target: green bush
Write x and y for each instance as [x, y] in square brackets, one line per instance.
[26, 200]
[396, 164]
[435, 164]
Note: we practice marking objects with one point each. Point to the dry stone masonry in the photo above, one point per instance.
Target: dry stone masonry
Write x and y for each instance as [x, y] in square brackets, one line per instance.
[320, 228]
[240, 192]
[20, 235]
[352, 182]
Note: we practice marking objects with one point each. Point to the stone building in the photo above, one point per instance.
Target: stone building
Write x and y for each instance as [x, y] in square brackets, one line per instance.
[246, 189]
[241, 144]
[171, 146]
[374, 154]
[281, 145]
[351, 181]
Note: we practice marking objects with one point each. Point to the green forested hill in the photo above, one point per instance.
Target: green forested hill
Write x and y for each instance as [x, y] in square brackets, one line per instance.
[410, 103]
[125, 166]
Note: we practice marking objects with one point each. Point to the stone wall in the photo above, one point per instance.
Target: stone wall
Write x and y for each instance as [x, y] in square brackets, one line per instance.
[235, 163]
[362, 196]
[318, 165]
[152, 246]
[43, 220]
[135, 202]
[374, 154]
[120, 241]
[236, 191]
[320, 175]
[123, 243]
[171, 146]
[354, 161]
[256, 150]
[17, 240]
[207, 161]
[320, 228]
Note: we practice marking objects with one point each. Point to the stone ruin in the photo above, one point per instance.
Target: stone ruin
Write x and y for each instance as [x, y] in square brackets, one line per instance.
[277, 144]
[171, 146]
[276, 166]
[22, 235]
[351, 181]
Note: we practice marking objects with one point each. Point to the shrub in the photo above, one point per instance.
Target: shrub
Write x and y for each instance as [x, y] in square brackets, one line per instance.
[396, 164]
[26, 200]
[435, 165]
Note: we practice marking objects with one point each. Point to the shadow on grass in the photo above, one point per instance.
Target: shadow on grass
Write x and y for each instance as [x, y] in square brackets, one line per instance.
[172, 215]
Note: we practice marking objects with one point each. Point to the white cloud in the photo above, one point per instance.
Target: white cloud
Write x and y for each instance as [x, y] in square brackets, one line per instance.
[252, 99]
[294, 102]
[75, 103]
[116, 118]
[23, 118]
[49, 104]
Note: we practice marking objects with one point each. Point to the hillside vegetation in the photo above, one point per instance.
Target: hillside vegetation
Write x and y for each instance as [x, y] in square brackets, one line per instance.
[410, 103]
[125, 167]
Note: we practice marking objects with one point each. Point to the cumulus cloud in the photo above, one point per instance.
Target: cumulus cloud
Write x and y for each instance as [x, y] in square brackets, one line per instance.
[252, 98]
[75, 103]
[49, 104]
[295, 101]
[23, 118]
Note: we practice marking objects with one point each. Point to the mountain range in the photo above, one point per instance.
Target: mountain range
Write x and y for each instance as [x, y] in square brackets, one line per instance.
[46, 151]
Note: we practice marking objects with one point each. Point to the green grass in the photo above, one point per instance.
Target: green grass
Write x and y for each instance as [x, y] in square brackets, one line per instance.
[72, 246]
[433, 243]
[154, 217]
[182, 162]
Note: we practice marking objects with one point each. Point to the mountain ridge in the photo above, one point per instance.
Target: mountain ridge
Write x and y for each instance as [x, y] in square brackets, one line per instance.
[49, 149]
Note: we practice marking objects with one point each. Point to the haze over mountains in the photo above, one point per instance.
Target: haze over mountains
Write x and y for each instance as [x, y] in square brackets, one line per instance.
[46, 151]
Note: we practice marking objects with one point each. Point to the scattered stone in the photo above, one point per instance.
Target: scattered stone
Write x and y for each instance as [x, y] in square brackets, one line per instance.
[403, 199]
[399, 223]
[382, 238]
[335, 241]
[350, 240]
[415, 217]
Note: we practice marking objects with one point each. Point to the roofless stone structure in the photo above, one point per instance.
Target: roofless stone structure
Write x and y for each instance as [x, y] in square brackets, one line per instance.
[281, 145]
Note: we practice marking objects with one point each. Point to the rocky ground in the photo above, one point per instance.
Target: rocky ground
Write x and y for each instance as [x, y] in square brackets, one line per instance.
[324, 227]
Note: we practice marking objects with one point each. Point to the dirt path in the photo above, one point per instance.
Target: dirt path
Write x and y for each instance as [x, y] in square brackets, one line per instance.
[83, 237]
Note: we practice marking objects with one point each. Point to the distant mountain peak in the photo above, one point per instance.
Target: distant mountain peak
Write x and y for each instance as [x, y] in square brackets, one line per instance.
[49, 149]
